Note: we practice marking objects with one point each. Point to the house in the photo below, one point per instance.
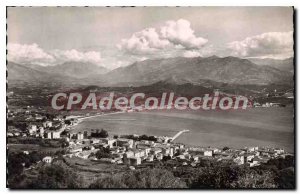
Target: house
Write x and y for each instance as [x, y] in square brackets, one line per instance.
[155, 150]
[25, 152]
[119, 162]
[142, 146]
[39, 117]
[94, 141]
[47, 124]
[182, 157]
[239, 160]
[147, 151]
[124, 142]
[215, 150]
[279, 150]
[76, 149]
[53, 134]
[138, 153]
[108, 141]
[32, 129]
[47, 159]
[159, 156]
[248, 157]
[133, 161]
[254, 162]
[206, 152]
[79, 136]
[150, 158]
[261, 159]
[252, 149]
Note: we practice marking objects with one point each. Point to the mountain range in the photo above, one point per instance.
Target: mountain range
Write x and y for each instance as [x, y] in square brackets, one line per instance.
[230, 70]
[284, 64]
[180, 70]
[71, 69]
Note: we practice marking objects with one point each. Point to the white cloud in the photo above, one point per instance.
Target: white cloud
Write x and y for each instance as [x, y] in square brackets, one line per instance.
[268, 44]
[191, 54]
[28, 53]
[173, 35]
[32, 53]
[180, 33]
[74, 55]
[143, 42]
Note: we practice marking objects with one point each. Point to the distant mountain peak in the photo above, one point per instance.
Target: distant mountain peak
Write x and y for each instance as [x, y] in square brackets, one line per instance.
[232, 70]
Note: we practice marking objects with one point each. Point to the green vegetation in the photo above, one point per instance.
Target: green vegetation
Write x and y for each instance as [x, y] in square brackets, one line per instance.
[99, 134]
[103, 153]
[145, 178]
[208, 174]
[16, 162]
[57, 175]
[212, 174]
[53, 143]
[139, 138]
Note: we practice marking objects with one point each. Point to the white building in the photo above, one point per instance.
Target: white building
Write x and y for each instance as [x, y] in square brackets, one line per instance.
[79, 136]
[47, 124]
[47, 159]
[32, 129]
[53, 134]
[206, 152]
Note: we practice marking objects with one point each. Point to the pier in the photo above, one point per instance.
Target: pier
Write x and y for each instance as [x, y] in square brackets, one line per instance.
[178, 134]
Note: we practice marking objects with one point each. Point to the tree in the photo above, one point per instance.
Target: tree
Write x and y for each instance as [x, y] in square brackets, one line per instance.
[252, 179]
[226, 148]
[144, 178]
[286, 178]
[113, 182]
[55, 176]
[166, 158]
[102, 153]
[67, 122]
[102, 134]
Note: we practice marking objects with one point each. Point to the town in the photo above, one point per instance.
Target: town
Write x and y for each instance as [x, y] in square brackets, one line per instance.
[127, 149]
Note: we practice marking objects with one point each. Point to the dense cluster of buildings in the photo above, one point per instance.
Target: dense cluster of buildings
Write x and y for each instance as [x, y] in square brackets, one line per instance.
[38, 125]
[133, 152]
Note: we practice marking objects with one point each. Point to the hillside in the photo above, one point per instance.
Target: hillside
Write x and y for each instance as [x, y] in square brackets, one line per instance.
[230, 70]
[72, 69]
[18, 72]
[284, 65]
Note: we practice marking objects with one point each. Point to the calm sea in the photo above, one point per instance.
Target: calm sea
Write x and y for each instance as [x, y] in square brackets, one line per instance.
[272, 127]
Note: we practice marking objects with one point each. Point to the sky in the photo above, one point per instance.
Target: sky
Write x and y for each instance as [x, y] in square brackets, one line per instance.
[114, 37]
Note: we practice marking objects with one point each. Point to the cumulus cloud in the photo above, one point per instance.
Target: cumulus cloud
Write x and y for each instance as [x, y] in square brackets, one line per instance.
[74, 55]
[32, 53]
[180, 33]
[145, 41]
[267, 44]
[191, 54]
[28, 53]
[173, 35]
